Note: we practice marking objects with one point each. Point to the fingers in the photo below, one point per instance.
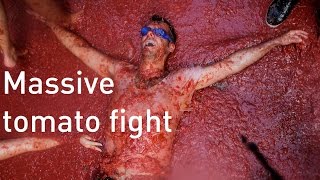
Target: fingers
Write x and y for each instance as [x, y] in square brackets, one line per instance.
[299, 31]
[302, 34]
[296, 39]
[299, 34]
[90, 143]
[85, 140]
[294, 36]
[87, 137]
[95, 148]
[93, 145]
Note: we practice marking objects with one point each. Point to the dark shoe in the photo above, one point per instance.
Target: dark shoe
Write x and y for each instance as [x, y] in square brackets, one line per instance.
[278, 11]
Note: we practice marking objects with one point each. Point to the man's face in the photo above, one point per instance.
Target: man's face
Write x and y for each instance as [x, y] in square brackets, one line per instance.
[153, 45]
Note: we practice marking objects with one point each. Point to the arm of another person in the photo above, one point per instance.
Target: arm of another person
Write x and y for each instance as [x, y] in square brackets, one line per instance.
[14, 147]
[6, 46]
[241, 59]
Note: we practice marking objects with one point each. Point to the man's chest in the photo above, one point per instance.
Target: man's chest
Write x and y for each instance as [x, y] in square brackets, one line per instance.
[162, 96]
[157, 98]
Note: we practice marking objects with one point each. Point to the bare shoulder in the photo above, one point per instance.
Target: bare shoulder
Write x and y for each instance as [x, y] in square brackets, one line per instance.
[184, 77]
[109, 67]
[185, 74]
[124, 71]
[121, 66]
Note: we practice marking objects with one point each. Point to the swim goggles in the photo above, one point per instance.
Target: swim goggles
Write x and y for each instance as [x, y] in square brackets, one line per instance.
[157, 31]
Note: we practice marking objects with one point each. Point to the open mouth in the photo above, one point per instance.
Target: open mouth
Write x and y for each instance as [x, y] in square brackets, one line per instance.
[149, 43]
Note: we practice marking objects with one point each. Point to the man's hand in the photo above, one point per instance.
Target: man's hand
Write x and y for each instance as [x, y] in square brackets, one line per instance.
[90, 143]
[293, 36]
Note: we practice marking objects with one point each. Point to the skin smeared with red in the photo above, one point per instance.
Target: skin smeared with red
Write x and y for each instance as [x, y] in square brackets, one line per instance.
[144, 89]
[6, 46]
[150, 155]
[13, 147]
[148, 87]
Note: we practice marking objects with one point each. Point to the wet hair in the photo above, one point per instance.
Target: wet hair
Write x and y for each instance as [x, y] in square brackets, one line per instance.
[158, 19]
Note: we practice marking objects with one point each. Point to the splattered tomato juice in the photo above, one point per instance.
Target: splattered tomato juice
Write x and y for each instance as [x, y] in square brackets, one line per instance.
[274, 103]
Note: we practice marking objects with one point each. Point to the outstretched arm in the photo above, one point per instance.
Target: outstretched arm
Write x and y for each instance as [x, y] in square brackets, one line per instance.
[9, 53]
[243, 58]
[14, 147]
[104, 65]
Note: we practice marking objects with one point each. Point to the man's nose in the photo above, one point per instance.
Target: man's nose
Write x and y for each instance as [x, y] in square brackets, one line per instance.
[150, 34]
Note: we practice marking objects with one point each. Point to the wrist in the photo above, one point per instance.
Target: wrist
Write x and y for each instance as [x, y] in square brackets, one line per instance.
[275, 42]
